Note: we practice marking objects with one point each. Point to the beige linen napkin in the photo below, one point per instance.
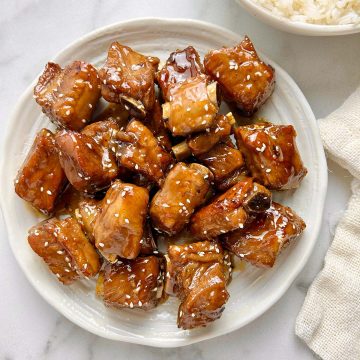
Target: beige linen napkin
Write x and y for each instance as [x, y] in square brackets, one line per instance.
[329, 321]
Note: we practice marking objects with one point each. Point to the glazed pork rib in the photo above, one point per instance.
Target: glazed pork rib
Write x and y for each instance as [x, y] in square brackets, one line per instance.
[192, 107]
[198, 274]
[68, 96]
[139, 151]
[261, 242]
[131, 283]
[88, 165]
[119, 227]
[230, 210]
[243, 77]
[223, 160]
[184, 189]
[41, 178]
[180, 66]
[128, 78]
[271, 154]
[203, 142]
[65, 249]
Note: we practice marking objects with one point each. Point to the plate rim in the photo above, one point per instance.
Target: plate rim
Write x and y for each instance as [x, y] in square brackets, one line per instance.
[277, 294]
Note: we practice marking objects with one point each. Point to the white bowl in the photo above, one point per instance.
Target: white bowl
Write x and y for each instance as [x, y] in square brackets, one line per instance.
[252, 290]
[295, 27]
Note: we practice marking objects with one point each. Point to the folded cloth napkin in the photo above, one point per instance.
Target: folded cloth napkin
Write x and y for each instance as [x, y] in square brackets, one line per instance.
[329, 321]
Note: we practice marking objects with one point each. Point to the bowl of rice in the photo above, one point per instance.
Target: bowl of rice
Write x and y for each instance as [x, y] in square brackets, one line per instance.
[308, 17]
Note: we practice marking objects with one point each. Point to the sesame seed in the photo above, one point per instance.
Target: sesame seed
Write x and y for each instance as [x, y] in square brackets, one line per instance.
[67, 112]
[46, 243]
[49, 192]
[101, 244]
[116, 215]
[127, 221]
[131, 305]
[41, 189]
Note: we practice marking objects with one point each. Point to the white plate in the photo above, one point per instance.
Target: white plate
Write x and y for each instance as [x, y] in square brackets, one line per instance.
[296, 27]
[252, 290]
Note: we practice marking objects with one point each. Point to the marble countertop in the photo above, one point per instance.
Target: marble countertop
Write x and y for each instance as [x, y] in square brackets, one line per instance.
[31, 32]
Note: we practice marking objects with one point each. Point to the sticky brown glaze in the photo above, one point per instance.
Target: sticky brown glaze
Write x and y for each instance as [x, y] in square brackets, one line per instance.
[88, 166]
[69, 202]
[41, 179]
[114, 112]
[229, 211]
[139, 151]
[86, 213]
[43, 239]
[243, 78]
[199, 273]
[68, 96]
[103, 132]
[184, 189]
[181, 65]
[261, 241]
[271, 154]
[83, 253]
[203, 142]
[190, 109]
[119, 227]
[128, 78]
[223, 160]
[154, 121]
[132, 283]
[148, 244]
[232, 179]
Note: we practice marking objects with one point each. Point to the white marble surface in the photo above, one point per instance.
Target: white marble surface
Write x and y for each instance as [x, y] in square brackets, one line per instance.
[31, 32]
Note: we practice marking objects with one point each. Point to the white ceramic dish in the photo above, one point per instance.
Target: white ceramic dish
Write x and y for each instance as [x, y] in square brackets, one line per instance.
[252, 290]
[295, 27]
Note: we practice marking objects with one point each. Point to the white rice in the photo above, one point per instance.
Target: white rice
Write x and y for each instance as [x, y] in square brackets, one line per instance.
[325, 12]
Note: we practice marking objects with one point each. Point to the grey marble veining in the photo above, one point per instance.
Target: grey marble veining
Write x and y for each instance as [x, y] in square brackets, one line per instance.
[33, 31]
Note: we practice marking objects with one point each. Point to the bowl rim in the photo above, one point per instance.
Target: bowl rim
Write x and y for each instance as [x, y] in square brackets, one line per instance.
[276, 295]
[296, 27]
